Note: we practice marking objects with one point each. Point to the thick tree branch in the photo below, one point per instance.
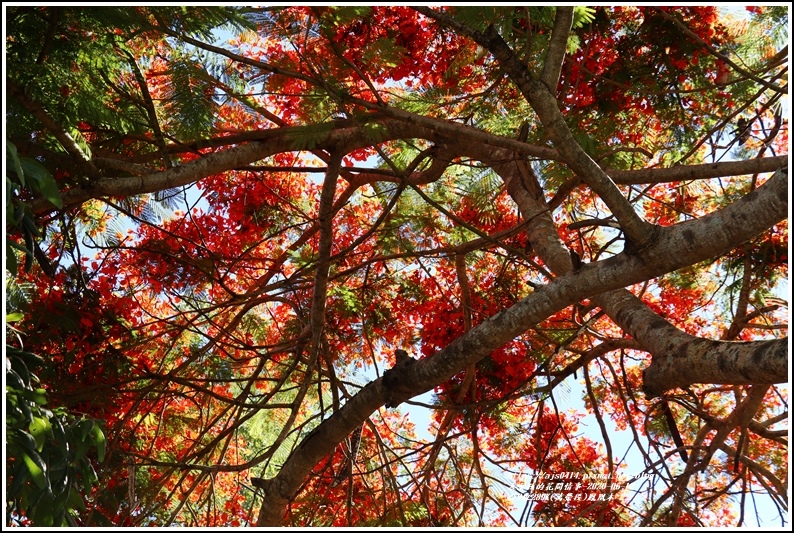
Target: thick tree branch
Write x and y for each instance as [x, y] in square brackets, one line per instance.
[638, 232]
[679, 359]
[261, 144]
[698, 172]
[676, 247]
[454, 131]
[556, 53]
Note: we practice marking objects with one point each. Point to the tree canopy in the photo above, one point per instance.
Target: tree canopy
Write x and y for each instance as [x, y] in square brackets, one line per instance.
[397, 266]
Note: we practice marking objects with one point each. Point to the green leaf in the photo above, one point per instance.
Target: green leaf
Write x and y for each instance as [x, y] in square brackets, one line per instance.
[347, 14]
[375, 132]
[34, 170]
[574, 43]
[60, 436]
[15, 210]
[27, 414]
[80, 140]
[75, 501]
[307, 137]
[19, 471]
[43, 182]
[40, 428]
[11, 155]
[88, 473]
[11, 260]
[37, 396]
[14, 317]
[583, 15]
[14, 381]
[84, 427]
[63, 495]
[18, 246]
[36, 467]
[98, 440]
[18, 368]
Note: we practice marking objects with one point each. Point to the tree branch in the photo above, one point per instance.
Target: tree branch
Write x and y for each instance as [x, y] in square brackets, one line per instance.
[638, 232]
[325, 222]
[148, 105]
[258, 145]
[66, 140]
[698, 172]
[695, 37]
[557, 46]
[680, 359]
[738, 222]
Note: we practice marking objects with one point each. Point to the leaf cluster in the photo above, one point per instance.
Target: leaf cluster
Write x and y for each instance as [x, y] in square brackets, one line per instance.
[49, 469]
[25, 177]
[60, 56]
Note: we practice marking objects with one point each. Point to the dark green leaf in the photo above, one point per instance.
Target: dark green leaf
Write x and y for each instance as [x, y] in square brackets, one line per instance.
[98, 440]
[84, 427]
[11, 260]
[11, 155]
[40, 428]
[36, 467]
[41, 181]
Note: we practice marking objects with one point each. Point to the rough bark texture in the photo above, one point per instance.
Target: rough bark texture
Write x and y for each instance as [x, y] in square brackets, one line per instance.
[679, 359]
[717, 233]
[698, 172]
[262, 144]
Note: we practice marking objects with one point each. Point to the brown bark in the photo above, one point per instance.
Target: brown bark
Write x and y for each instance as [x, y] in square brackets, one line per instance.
[675, 247]
[679, 359]
[698, 172]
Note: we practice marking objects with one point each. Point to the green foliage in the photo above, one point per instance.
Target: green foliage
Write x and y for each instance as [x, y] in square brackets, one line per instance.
[201, 21]
[25, 176]
[75, 64]
[307, 137]
[773, 21]
[48, 470]
[582, 16]
[385, 51]
[48, 465]
[375, 132]
[342, 15]
[574, 43]
[189, 103]
[346, 300]
[56, 76]
[480, 17]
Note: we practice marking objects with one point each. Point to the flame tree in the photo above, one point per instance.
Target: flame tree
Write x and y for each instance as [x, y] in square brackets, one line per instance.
[244, 240]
